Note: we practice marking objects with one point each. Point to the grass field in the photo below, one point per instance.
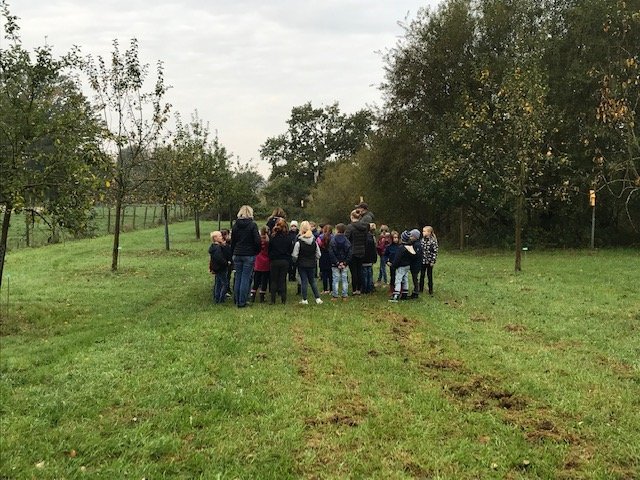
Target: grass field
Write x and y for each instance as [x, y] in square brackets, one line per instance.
[137, 375]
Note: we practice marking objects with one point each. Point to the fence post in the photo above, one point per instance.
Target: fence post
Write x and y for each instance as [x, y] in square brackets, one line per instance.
[144, 222]
[133, 226]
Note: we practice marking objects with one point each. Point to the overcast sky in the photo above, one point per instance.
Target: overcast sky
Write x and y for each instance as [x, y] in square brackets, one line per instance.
[243, 64]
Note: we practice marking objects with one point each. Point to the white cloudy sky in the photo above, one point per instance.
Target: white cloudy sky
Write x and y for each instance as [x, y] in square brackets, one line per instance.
[241, 63]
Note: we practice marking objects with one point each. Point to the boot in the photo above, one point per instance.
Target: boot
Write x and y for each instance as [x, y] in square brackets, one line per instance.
[414, 296]
[262, 297]
[394, 298]
[253, 296]
[404, 295]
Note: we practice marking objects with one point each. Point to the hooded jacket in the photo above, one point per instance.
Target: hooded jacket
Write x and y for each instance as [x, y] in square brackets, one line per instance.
[340, 250]
[245, 239]
[405, 256]
[280, 247]
[306, 252]
[356, 233]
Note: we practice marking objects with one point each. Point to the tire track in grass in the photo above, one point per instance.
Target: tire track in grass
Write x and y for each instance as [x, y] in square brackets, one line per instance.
[539, 424]
[327, 444]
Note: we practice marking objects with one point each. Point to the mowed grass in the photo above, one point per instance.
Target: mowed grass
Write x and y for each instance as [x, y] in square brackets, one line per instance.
[138, 375]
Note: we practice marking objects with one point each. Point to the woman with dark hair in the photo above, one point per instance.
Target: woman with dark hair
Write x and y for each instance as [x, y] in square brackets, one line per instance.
[356, 232]
[277, 214]
[280, 248]
[245, 245]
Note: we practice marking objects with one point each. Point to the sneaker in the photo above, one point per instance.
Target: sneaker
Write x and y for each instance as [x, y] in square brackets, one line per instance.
[344, 299]
[319, 301]
[333, 299]
[304, 302]
[394, 298]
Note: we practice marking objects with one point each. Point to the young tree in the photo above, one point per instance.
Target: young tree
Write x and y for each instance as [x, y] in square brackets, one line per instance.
[134, 118]
[49, 158]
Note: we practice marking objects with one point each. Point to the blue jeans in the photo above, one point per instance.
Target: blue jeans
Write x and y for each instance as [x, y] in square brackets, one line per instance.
[340, 276]
[402, 279]
[308, 276]
[220, 287]
[382, 275]
[242, 285]
[367, 279]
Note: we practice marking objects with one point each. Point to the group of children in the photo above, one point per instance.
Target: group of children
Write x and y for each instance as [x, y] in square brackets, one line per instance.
[332, 253]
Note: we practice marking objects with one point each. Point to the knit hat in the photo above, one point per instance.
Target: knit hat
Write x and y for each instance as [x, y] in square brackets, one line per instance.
[415, 234]
[294, 223]
[405, 237]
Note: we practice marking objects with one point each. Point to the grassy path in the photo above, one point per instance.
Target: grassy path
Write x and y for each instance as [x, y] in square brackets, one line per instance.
[137, 374]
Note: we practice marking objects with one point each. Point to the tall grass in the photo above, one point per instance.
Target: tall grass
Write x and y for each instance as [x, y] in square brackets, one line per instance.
[137, 374]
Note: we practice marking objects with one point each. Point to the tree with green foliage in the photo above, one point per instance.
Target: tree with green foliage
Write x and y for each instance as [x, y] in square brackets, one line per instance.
[134, 119]
[315, 138]
[49, 157]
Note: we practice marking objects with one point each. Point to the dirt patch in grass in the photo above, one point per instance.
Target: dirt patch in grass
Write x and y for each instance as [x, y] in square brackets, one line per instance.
[479, 318]
[349, 413]
[482, 392]
[621, 369]
[443, 364]
[515, 328]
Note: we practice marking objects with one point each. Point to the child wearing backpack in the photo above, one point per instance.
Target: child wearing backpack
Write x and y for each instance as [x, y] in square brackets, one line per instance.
[340, 253]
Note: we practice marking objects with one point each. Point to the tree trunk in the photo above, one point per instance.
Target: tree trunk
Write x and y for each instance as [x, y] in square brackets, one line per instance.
[26, 230]
[5, 237]
[518, 234]
[461, 228]
[116, 235]
[196, 219]
[133, 225]
[166, 226]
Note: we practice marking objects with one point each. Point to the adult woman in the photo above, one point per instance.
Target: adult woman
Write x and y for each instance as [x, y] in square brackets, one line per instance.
[280, 248]
[356, 233]
[245, 245]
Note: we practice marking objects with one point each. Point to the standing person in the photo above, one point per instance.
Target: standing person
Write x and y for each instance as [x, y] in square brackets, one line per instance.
[370, 257]
[261, 267]
[402, 264]
[280, 249]
[218, 266]
[277, 214]
[390, 253]
[416, 264]
[306, 253]
[245, 245]
[365, 214]
[340, 254]
[356, 233]
[293, 237]
[228, 253]
[383, 242]
[429, 256]
[324, 241]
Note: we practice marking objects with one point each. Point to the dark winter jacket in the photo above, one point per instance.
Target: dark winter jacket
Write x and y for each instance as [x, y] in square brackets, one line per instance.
[306, 252]
[390, 251]
[217, 259]
[340, 250]
[404, 257]
[370, 253]
[280, 247]
[416, 264]
[356, 233]
[245, 239]
[271, 222]
[367, 217]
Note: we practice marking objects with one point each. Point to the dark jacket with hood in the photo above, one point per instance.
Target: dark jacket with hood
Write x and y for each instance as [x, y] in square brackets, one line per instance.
[405, 256]
[245, 239]
[370, 253]
[356, 233]
[340, 250]
[280, 247]
[217, 259]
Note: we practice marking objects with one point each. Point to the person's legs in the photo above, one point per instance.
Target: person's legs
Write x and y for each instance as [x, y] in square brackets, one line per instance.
[345, 283]
[430, 278]
[423, 269]
[335, 281]
[312, 281]
[356, 274]
[244, 268]
[304, 280]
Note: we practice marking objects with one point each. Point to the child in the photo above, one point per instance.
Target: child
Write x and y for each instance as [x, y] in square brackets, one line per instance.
[383, 242]
[261, 267]
[389, 255]
[293, 237]
[280, 248]
[218, 265]
[306, 253]
[402, 264]
[429, 256]
[370, 257]
[325, 260]
[340, 253]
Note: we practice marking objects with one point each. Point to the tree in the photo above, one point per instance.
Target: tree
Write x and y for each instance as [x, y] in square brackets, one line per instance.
[134, 118]
[315, 138]
[203, 166]
[50, 161]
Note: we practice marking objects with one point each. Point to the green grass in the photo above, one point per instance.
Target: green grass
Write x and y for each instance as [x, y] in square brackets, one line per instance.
[136, 374]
